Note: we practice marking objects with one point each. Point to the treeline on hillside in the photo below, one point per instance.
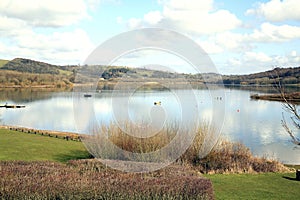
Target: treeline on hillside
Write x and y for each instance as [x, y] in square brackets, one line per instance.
[19, 79]
[275, 76]
[116, 72]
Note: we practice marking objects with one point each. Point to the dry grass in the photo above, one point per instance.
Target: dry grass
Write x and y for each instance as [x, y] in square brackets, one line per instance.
[138, 144]
[228, 157]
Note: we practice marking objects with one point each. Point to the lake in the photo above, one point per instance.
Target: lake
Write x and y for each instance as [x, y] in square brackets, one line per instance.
[257, 124]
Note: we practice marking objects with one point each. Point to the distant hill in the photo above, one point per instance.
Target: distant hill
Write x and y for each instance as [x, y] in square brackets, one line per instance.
[21, 72]
[282, 75]
[31, 66]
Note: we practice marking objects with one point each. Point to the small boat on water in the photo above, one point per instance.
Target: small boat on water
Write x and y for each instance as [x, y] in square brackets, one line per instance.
[12, 106]
[87, 95]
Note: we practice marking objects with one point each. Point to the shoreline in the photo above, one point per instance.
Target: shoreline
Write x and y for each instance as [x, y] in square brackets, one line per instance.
[32, 86]
[56, 134]
[128, 83]
[27, 86]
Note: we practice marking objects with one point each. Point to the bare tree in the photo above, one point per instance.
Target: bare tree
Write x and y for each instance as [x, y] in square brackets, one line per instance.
[291, 107]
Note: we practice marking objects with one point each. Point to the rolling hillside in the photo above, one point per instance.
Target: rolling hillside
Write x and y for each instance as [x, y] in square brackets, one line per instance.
[31, 66]
[113, 73]
[282, 75]
[21, 72]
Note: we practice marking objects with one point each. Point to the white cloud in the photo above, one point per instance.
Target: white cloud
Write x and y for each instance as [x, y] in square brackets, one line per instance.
[68, 41]
[240, 43]
[21, 38]
[233, 41]
[210, 47]
[57, 48]
[201, 6]
[53, 13]
[134, 23]
[291, 59]
[10, 26]
[250, 62]
[92, 4]
[278, 10]
[293, 53]
[120, 20]
[198, 17]
[153, 17]
[272, 33]
[226, 42]
[257, 57]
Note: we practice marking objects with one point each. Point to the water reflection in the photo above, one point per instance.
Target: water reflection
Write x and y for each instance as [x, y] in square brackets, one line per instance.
[257, 124]
[23, 95]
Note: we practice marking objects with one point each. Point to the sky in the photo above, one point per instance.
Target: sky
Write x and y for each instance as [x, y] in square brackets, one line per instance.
[240, 37]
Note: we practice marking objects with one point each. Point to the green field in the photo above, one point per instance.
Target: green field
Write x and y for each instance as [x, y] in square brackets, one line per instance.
[24, 146]
[3, 62]
[30, 147]
[255, 186]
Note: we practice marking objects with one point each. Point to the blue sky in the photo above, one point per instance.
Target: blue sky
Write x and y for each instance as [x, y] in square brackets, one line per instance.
[240, 36]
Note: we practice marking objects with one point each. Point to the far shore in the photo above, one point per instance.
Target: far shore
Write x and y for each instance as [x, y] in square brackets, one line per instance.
[293, 97]
[154, 83]
[27, 86]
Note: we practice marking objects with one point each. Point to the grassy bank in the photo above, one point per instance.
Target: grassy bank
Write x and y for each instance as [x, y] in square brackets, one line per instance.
[29, 147]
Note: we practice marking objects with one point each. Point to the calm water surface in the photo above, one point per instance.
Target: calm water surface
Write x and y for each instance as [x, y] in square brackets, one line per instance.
[257, 124]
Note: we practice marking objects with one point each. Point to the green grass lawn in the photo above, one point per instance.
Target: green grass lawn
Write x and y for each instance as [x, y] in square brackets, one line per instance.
[30, 147]
[255, 186]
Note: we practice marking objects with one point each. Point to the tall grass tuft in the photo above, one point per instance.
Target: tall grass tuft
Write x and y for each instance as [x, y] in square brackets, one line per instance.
[138, 144]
